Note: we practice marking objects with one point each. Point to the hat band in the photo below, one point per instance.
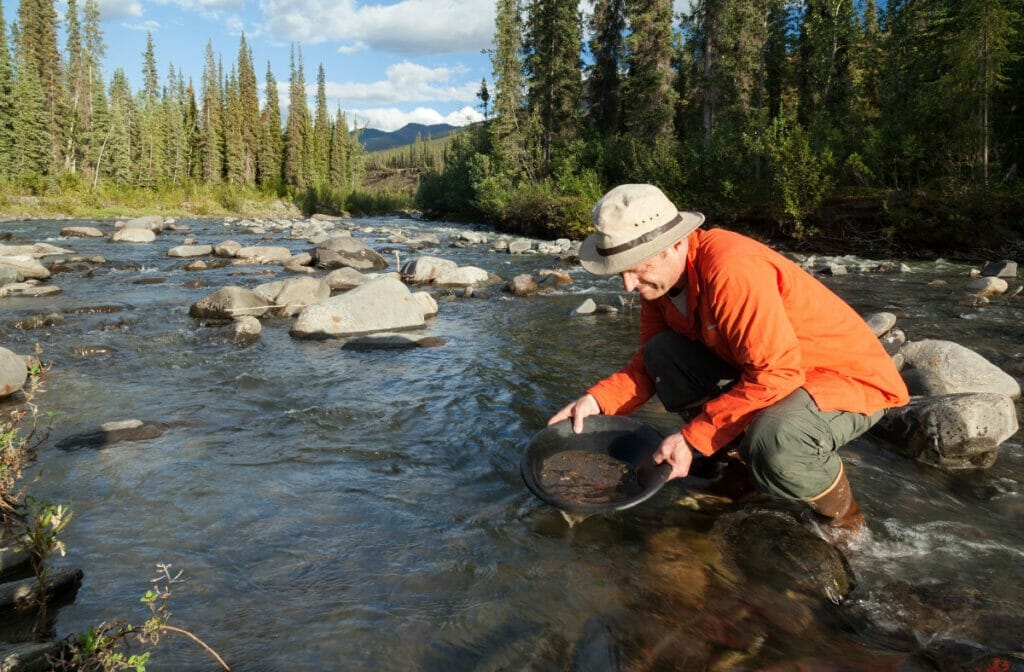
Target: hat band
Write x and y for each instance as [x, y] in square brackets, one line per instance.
[636, 242]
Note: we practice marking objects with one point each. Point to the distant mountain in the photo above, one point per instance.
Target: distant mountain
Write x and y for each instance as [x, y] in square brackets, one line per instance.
[374, 140]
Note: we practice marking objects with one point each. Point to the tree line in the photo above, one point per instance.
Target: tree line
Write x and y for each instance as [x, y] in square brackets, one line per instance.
[751, 107]
[61, 121]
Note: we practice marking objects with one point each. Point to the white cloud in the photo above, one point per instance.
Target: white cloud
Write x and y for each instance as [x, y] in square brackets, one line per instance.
[392, 119]
[407, 27]
[406, 82]
[120, 9]
[148, 26]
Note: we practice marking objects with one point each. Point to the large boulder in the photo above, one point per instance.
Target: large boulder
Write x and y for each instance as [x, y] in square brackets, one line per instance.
[955, 431]
[190, 251]
[154, 223]
[290, 296]
[13, 372]
[264, 254]
[425, 269]
[347, 251]
[9, 274]
[465, 276]
[133, 234]
[383, 304]
[227, 303]
[81, 232]
[26, 265]
[935, 367]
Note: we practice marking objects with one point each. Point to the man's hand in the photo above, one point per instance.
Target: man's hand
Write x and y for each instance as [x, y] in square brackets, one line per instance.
[577, 410]
[677, 453]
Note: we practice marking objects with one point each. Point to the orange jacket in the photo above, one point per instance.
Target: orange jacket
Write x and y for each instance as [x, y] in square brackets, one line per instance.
[776, 324]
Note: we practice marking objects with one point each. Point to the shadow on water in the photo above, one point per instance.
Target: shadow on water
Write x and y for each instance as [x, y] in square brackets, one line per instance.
[335, 509]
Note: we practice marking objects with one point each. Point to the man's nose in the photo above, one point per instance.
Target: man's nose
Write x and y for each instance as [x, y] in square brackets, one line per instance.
[629, 281]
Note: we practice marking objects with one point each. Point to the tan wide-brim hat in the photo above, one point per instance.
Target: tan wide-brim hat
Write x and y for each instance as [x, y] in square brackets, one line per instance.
[633, 222]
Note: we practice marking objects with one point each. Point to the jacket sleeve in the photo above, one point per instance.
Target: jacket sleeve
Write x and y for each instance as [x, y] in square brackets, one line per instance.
[749, 325]
[628, 388]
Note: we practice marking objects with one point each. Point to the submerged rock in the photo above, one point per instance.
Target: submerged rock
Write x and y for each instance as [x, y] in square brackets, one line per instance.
[111, 433]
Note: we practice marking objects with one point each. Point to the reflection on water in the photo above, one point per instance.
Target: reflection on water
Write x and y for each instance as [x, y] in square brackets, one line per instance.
[334, 509]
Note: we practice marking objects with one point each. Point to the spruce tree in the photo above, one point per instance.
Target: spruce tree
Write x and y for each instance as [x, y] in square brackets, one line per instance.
[648, 87]
[321, 132]
[234, 142]
[151, 141]
[120, 152]
[297, 132]
[249, 103]
[338, 171]
[608, 52]
[7, 107]
[270, 134]
[31, 156]
[37, 21]
[554, 73]
[508, 133]
[211, 126]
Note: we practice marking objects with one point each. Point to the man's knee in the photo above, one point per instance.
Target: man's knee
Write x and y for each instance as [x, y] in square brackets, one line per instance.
[789, 457]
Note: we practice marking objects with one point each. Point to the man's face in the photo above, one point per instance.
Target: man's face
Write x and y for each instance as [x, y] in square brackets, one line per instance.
[655, 276]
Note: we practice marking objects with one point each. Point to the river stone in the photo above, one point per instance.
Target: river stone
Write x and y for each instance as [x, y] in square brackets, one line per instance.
[893, 341]
[426, 303]
[25, 594]
[339, 251]
[13, 372]
[345, 278]
[35, 250]
[292, 295]
[552, 279]
[383, 304]
[264, 254]
[228, 303]
[30, 656]
[588, 307]
[471, 237]
[771, 547]
[154, 223]
[109, 433]
[1000, 269]
[190, 251]
[425, 269]
[951, 432]
[133, 235]
[9, 274]
[390, 341]
[522, 285]
[520, 246]
[880, 323]
[81, 232]
[936, 367]
[40, 321]
[463, 276]
[27, 266]
[227, 248]
[988, 286]
[29, 290]
[241, 330]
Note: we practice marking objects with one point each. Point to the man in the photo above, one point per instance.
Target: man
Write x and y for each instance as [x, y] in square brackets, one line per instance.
[803, 374]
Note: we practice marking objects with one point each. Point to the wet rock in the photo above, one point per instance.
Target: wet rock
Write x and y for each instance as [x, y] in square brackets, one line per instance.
[9, 274]
[426, 303]
[29, 290]
[522, 285]
[197, 265]
[149, 281]
[290, 296]
[551, 280]
[383, 304]
[988, 286]
[471, 237]
[133, 235]
[426, 269]
[228, 248]
[588, 307]
[25, 594]
[880, 323]
[1000, 269]
[35, 250]
[92, 350]
[14, 563]
[465, 276]
[955, 431]
[183, 251]
[520, 246]
[27, 266]
[772, 548]
[81, 232]
[228, 303]
[241, 330]
[13, 372]
[340, 251]
[263, 254]
[111, 433]
[39, 321]
[893, 340]
[345, 278]
[935, 367]
[390, 341]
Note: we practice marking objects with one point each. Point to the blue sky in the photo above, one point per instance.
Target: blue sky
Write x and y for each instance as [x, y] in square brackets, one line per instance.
[386, 63]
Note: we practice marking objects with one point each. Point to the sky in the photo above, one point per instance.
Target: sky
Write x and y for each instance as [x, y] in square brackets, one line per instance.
[386, 64]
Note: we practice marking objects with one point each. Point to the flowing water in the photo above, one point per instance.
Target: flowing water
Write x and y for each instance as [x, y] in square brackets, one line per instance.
[363, 510]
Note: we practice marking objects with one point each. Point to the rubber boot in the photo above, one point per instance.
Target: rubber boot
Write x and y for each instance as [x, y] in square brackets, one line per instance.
[836, 507]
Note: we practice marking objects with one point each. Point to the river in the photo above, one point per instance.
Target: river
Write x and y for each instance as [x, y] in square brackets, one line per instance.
[363, 510]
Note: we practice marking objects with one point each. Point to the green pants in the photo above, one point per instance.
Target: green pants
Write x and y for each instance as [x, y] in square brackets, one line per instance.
[790, 448]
